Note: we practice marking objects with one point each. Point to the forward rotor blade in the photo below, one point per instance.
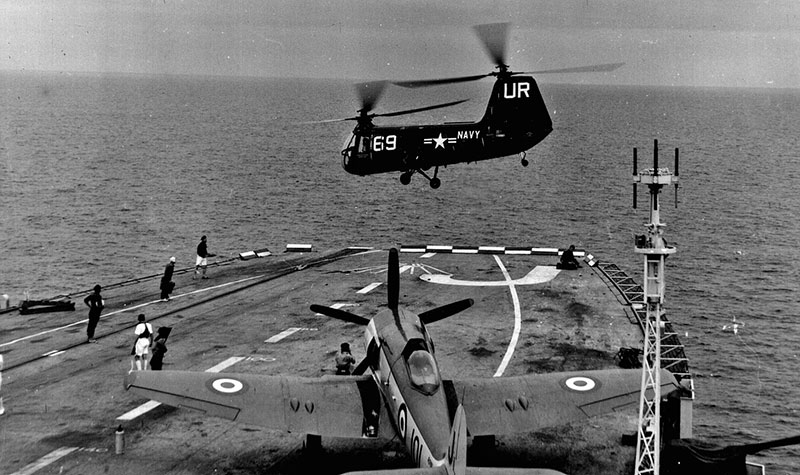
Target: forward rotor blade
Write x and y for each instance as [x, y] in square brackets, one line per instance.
[326, 121]
[369, 93]
[445, 311]
[411, 111]
[393, 283]
[596, 68]
[437, 82]
[340, 314]
[494, 37]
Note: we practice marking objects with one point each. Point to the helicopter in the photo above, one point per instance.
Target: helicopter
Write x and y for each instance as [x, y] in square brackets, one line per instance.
[516, 119]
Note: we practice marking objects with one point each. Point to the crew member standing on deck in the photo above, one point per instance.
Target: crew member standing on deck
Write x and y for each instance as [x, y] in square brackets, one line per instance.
[202, 257]
[344, 360]
[166, 281]
[96, 304]
[144, 338]
[159, 349]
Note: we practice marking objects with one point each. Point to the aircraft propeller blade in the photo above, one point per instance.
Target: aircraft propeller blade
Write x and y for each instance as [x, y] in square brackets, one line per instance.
[393, 283]
[340, 314]
[595, 68]
[494, 37]
[362, 366]
[445, 311]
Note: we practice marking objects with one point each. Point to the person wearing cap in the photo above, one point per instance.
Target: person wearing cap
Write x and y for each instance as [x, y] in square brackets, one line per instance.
[144, 338]
[167, 285]
[202, 257]
[344, 360]
[96, 304]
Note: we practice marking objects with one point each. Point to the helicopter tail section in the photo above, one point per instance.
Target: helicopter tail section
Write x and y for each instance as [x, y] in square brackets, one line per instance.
[516, 109]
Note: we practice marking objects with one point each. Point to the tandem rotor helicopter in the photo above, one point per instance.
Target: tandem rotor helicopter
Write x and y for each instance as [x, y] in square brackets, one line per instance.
[516, 119]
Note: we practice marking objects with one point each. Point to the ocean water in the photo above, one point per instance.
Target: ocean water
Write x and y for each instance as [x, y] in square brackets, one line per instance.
[103, 178]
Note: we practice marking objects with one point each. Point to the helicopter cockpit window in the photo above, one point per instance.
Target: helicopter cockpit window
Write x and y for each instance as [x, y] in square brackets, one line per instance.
[363, 144]
[422, 370]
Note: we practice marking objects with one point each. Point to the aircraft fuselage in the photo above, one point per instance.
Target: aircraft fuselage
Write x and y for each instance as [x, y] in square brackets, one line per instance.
[407, 375]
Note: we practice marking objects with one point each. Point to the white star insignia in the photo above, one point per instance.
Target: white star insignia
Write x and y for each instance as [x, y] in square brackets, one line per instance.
[439, 141]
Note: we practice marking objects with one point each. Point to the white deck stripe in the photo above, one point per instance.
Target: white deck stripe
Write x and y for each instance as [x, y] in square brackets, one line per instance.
[517, 321]
[225, 364]
[369, 288]
[280, 336]
[45, 461]
[427, 255]
[129, 309]
[134, 413]
[150, 405]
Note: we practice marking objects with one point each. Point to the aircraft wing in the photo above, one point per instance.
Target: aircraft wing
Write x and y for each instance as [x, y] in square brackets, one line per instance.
[331, 406]
[525, 403]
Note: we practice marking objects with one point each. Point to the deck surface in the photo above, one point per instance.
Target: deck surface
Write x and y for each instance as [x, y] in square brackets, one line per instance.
[63, 396]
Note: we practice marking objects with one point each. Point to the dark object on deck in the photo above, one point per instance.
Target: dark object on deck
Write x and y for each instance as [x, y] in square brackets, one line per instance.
[629, 358]
[44, 306]
[689, 456]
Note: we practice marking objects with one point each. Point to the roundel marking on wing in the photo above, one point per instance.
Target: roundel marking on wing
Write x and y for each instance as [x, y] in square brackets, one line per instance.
[580, 384]
[227, 386]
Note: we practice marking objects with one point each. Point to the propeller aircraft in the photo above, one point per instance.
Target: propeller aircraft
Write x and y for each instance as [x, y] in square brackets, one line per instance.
[396, 391]
[516, 119]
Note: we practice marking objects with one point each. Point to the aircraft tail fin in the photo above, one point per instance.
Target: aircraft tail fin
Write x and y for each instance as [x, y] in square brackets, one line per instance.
[457, 449]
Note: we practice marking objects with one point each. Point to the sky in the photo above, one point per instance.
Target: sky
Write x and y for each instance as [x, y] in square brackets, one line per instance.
[727, 43]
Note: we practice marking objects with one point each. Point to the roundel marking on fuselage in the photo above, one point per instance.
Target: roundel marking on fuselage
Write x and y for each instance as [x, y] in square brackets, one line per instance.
[402, 421]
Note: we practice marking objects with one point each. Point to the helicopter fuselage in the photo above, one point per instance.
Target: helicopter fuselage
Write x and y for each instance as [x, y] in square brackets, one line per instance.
[516, 119]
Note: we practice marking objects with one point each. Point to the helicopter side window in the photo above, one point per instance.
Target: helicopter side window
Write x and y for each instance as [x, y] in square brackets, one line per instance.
[423, 372]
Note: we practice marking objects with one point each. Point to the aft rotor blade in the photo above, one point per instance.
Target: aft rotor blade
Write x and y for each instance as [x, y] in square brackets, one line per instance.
[596, 68]
[494, 37]
[421, 109]
[437, 82]
[340, 314]
[369, 93]
[393, 283]
[445, 311]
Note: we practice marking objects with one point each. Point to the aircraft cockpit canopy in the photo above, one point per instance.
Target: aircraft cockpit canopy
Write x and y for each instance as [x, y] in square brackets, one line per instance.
[422, 368]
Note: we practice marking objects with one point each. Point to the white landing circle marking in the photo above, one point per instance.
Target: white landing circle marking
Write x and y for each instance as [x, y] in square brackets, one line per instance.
[227, 385]
[517, 320]
[580, 383]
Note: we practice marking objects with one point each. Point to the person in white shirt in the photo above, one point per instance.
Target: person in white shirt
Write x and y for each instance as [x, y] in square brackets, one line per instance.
[144, 338]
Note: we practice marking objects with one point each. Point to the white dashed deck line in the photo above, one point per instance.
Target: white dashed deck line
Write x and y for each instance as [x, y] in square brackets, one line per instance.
[150, 405]
[369, 288]
[280, 336]
[427, 255]
[134, 413]
[45, 461]
[127, 309]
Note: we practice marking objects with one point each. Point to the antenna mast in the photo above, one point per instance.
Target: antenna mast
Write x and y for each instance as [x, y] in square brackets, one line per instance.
[655, 250]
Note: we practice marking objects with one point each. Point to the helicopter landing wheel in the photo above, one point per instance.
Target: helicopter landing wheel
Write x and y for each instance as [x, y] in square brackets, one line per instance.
[435, 183]
[405, 178]
[524, 160]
